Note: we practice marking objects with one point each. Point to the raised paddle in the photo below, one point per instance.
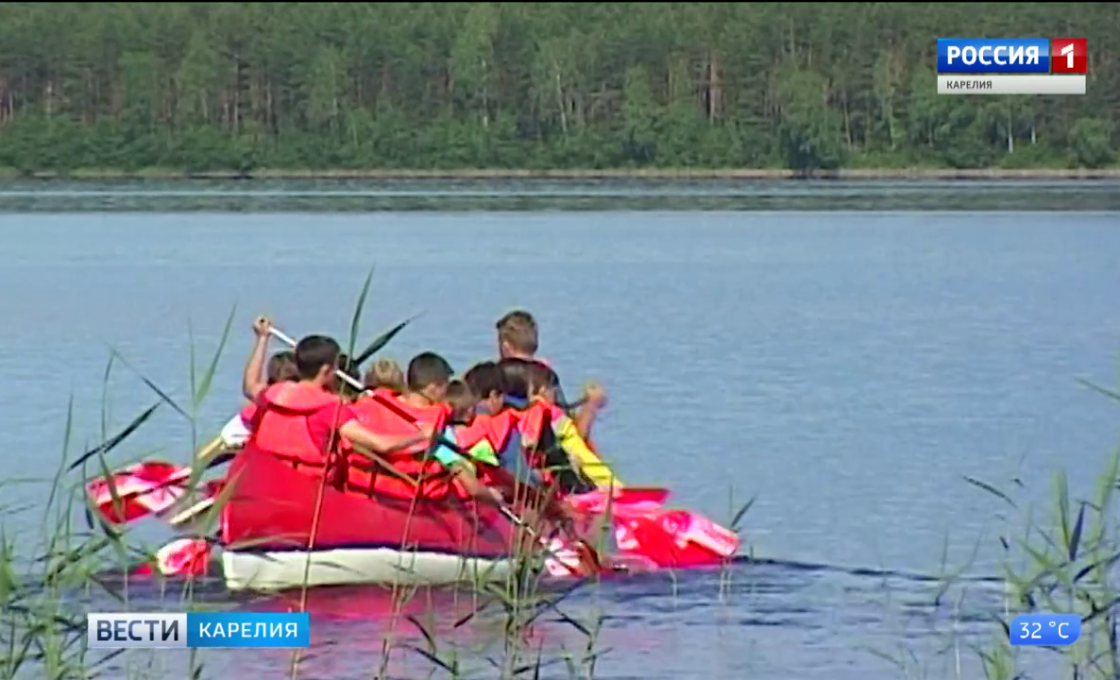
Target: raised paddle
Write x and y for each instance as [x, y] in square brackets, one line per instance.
[205, 503]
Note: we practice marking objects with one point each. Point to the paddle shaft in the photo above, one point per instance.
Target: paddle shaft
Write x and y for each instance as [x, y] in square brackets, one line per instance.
[204, 504]
[287, 340]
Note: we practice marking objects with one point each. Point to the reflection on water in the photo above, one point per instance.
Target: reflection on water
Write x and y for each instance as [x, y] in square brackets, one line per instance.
[458, 195]
[754, 619]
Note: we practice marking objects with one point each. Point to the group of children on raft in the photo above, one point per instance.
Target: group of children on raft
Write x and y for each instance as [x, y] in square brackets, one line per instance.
[420, 432]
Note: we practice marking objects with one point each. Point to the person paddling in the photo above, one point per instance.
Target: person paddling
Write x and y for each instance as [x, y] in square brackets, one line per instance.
[281, 368]
[301, 422]
[592, 471]
[518, 338]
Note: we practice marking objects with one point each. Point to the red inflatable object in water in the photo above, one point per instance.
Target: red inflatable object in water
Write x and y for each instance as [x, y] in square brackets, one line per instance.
[142, 489]
[676, 538]
[273, 508]
[187, 557]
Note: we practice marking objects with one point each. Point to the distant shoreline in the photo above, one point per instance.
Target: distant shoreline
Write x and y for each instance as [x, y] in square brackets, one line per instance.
[639, 173]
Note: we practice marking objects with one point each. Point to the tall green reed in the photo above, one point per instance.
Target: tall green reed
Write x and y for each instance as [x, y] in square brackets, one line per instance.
[1059, 557]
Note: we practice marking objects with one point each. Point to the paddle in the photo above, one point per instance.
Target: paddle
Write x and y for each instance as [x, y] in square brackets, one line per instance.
[341, 375]
[147, 479]
[147, 488]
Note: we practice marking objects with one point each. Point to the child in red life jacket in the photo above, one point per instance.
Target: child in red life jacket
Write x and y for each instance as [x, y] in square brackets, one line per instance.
[281, 368]
[424, 401]
[302, 422]
[385, 374]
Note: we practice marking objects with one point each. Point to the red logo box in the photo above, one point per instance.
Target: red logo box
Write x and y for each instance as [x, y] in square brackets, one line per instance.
[1067, 55]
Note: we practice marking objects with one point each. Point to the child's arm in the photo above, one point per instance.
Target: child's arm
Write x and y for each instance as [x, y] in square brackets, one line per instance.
[252, 384]
[595, 398]
[361, 435]
[591, 465]
[464, 471]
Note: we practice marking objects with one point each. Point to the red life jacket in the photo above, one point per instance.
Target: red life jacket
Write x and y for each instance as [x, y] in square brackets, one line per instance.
[540, 445]
[494, 429]
[248, 415]
[280, 428]
[367, 476]
[532, 423]
[467, 436]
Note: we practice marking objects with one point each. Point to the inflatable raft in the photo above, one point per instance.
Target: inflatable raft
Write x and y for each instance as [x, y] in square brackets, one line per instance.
[272, 537]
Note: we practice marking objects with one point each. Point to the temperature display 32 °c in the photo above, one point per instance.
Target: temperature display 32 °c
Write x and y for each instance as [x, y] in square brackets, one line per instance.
[1045, 630]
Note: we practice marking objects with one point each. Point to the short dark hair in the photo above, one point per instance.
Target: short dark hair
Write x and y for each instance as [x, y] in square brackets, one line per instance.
[484, 379]
[313, 353]
[282, 367]
[515, 377]
[518, 329]
[522, 378]
[462, 401]
[427, 368]
[540, 376]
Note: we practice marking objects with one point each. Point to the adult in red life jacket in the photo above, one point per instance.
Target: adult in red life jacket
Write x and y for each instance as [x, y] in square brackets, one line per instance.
[438, 472]
[302, 422]
[518, 338]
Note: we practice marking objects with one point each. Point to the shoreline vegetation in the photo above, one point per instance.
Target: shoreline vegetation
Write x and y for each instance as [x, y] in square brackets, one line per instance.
[379, 89]
[745, 174]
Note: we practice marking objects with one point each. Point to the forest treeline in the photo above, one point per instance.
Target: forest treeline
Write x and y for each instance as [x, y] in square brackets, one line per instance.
[241, 86]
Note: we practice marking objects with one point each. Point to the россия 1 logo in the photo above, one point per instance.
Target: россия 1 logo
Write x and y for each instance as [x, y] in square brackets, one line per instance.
[1011, 65]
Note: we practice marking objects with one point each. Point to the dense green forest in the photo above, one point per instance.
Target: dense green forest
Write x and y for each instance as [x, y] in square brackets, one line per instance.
[242, 86]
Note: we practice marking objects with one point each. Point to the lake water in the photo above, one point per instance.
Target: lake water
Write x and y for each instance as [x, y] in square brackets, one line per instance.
[847, 367]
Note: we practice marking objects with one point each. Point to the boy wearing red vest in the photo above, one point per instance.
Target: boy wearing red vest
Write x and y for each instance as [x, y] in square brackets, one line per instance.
[301, 422]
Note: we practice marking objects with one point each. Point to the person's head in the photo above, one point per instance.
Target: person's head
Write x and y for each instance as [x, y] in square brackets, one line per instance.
[317, 359]
[282, 367]
[428, 375]
[515, 377]
[343, 388]
[485, 381]
[462, 401]
[385, 373]
[517, 335]
[541, 381]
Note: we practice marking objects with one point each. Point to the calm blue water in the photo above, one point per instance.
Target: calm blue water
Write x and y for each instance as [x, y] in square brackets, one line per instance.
[847, 368]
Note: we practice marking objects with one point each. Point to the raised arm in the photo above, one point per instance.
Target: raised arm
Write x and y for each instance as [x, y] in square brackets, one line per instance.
[252, 384]
[596, 397]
